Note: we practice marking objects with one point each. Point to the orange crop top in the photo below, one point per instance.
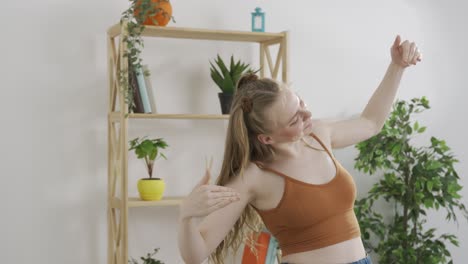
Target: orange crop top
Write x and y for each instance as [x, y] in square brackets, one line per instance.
[312, 216]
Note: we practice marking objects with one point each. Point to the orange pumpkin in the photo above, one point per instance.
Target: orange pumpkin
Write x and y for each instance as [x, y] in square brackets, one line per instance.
[163, 12]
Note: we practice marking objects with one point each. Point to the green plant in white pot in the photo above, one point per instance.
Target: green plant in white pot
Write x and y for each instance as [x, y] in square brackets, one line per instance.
[150, 188]
[227, 79]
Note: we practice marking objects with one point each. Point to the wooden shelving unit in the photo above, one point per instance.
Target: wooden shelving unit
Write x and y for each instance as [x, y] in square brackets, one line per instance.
[178, 116]
[117, 207]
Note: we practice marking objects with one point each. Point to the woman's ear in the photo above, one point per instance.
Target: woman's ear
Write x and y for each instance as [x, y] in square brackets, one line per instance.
[265, 139]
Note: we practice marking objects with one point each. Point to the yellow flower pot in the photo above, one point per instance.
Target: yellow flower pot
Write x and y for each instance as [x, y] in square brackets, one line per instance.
[151, 189]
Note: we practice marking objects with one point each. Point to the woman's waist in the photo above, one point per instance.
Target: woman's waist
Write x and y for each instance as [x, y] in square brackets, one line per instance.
[343, 252]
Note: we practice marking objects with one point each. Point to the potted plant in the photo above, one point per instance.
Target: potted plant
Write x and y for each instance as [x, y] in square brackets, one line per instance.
[149, 259]
[139, 14]
[150, 188]
[227, 79]
[415, 179]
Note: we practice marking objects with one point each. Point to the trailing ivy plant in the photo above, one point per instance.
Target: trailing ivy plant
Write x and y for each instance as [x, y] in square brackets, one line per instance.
[133, 17]
[415, 179]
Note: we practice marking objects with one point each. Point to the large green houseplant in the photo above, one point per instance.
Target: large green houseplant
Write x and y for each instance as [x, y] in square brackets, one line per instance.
[134, 18]
[149, 150]
[226, 79]
[415, 179]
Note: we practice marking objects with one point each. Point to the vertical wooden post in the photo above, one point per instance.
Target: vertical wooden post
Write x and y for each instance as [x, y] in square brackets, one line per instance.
[262, 60]
[110, 68]
[285, 57]
[123, 151]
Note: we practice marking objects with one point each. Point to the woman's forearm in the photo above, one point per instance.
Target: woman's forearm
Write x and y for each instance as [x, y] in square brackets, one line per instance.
[380, 104]
[191, 243]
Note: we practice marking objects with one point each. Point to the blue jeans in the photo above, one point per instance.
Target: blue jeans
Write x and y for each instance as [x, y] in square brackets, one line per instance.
[366, 260]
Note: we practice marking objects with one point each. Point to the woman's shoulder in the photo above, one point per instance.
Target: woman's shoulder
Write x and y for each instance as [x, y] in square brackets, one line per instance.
[252, 174]
[249, 180]
[321, 130]
[320, 126]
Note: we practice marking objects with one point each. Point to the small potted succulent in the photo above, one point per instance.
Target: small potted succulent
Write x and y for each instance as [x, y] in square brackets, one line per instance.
[227, 79]
[149, 259]
[150, 189]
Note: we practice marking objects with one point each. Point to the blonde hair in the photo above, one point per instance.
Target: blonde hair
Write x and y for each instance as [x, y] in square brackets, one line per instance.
[247, 120]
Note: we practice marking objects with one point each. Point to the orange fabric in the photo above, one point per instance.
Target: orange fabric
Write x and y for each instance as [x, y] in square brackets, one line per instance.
[262, 249]
[312, 216]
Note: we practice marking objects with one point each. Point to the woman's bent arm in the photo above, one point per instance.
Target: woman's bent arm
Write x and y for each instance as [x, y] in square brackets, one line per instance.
[191, 243]
[197, 242]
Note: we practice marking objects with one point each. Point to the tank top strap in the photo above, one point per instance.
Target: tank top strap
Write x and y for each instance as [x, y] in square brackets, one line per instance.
[323, 145]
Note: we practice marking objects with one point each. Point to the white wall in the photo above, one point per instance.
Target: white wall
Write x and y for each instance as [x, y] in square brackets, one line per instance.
[54, 82]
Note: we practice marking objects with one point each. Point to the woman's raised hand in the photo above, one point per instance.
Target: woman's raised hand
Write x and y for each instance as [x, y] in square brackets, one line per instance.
[206, 198]
[405, 53]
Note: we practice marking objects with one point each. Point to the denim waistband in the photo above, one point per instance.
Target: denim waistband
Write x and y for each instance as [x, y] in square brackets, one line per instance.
[366, 260]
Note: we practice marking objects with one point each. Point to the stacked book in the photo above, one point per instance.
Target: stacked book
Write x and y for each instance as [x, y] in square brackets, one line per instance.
[143, 98]
[267, 250]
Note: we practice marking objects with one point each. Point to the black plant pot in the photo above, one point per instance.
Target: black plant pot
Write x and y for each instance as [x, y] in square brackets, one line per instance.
[225, 99]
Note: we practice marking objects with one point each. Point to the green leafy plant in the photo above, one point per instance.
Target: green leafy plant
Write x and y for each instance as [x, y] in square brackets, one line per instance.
[148, 259]
[149, 150]
[134, 41]
[415, 179]
[225, 78]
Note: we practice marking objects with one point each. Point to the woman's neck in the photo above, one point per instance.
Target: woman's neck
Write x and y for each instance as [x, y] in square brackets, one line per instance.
[287, 150]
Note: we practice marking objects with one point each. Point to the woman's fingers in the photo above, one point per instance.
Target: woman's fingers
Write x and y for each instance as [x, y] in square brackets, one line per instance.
[216, 195]
[414, 60]
[220, 203]
[218, 188]
[405, 50]
[397, 41]
[210, 193]
[204, 180]
[416, 57]
[208, 164]
[412, 50]
[214, 192]
[206, 198]
[407, 53]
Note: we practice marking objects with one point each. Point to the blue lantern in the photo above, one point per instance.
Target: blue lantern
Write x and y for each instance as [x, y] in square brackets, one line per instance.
[258, 20]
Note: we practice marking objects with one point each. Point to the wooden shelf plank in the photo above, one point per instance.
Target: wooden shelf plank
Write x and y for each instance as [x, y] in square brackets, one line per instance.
[205, 34]
[177, 116]
[165, 201]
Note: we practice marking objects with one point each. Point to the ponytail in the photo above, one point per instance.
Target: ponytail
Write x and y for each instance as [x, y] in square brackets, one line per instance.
[246, 121]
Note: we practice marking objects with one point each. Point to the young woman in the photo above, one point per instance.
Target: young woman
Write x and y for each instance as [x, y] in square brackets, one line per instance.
[278, 170]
